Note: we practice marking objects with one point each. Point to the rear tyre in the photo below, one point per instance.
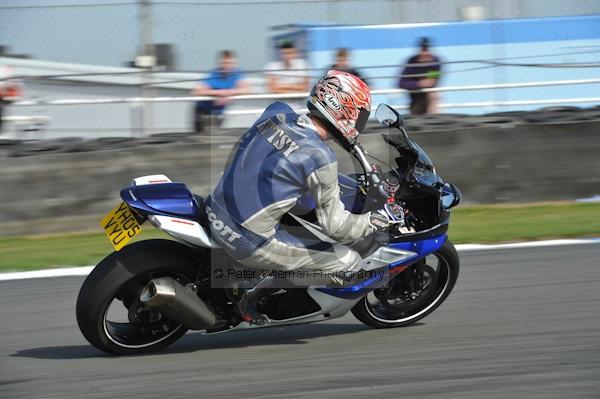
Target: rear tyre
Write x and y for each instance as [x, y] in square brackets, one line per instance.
[412, 294]
[109, 313]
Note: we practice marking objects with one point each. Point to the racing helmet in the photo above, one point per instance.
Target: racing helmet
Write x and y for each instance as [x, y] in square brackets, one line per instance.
[342, 102]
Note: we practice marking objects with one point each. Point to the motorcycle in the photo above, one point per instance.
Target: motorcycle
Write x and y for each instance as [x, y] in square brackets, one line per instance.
[146, 295]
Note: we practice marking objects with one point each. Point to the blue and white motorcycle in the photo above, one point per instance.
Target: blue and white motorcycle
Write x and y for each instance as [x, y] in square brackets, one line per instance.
[146, 295]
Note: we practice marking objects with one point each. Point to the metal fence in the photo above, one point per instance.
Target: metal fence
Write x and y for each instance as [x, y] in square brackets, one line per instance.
[38, 124]
[81, 52]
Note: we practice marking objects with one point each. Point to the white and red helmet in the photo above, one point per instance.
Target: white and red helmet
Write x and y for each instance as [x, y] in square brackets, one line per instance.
[343, 101]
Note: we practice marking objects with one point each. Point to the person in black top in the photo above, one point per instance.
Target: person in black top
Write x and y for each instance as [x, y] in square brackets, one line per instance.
[422, 71]
[342, 63]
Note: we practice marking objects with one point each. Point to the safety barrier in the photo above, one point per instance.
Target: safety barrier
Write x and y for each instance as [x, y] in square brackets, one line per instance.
[503, 157]
[136, 100]
[142, 117]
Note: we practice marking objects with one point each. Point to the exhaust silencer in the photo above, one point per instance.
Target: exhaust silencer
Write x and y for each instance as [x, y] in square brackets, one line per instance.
[179, 303]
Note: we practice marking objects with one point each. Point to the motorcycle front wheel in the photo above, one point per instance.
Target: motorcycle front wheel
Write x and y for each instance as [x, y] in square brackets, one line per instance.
[412, 294]
[109, 312]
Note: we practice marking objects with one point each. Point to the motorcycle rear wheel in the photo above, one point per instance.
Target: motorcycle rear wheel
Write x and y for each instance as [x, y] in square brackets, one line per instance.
[111, 292]
[401, 307]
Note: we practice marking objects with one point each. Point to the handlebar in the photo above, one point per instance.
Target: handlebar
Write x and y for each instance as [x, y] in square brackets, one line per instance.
[372, 174]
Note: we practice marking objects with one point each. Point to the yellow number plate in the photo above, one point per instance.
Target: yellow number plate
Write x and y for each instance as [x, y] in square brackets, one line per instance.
[120, 226]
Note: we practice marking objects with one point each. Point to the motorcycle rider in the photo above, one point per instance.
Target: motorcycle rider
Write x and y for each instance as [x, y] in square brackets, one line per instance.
[279, 159]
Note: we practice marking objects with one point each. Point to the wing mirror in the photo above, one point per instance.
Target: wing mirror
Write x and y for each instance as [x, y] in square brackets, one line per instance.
[388, 116]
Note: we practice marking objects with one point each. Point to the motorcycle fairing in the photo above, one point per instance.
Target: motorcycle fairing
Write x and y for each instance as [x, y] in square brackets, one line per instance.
[420, 249]
[166, 199]
[183, 230]
[330, 308]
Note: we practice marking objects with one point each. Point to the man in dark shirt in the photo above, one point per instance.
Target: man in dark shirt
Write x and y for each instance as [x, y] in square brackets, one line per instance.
[422, 71]
[342, 63]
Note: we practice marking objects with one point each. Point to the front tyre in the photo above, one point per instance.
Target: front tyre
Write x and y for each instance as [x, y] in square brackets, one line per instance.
[109, 313]
[412, 294]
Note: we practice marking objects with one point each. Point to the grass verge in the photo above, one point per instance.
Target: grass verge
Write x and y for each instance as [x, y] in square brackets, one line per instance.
[477, 224]
[510, 223]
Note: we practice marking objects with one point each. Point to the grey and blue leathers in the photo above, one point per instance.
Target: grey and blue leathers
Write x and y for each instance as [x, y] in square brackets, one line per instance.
[278, 160]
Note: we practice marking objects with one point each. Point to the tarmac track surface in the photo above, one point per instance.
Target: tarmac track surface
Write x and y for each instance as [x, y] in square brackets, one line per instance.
[521, 323]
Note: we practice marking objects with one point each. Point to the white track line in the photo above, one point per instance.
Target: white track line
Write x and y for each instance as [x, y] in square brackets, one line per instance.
[56, 272]
[529, 244]
[85, 270]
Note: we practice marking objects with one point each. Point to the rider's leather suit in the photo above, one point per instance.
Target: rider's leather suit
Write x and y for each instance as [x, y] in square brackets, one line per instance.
[278, 160]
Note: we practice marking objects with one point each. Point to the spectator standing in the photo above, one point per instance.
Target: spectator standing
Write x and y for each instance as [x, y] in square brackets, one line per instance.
[223, 83]
[342, 63]
[422, 71]
[10, 89]
[288, 75]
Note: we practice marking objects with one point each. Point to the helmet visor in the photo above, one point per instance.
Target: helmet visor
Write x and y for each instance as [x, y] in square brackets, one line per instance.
[361, 121]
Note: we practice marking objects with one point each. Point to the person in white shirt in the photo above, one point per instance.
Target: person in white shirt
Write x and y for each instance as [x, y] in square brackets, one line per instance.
[290, 74]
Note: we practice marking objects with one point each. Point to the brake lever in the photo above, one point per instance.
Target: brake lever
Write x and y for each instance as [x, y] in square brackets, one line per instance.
[377, 182]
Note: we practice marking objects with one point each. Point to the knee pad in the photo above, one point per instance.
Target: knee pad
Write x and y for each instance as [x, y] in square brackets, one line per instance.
[348, 257]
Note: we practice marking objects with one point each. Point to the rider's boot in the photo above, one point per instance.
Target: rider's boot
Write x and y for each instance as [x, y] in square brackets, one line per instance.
[249, 301]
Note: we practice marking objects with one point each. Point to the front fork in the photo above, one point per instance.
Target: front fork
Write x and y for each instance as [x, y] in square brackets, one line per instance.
[409, 282]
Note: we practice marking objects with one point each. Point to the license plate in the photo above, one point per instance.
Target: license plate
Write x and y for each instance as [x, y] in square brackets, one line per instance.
[120, 226]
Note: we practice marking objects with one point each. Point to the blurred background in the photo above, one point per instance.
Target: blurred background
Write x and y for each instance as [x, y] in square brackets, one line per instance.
[504, 95]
